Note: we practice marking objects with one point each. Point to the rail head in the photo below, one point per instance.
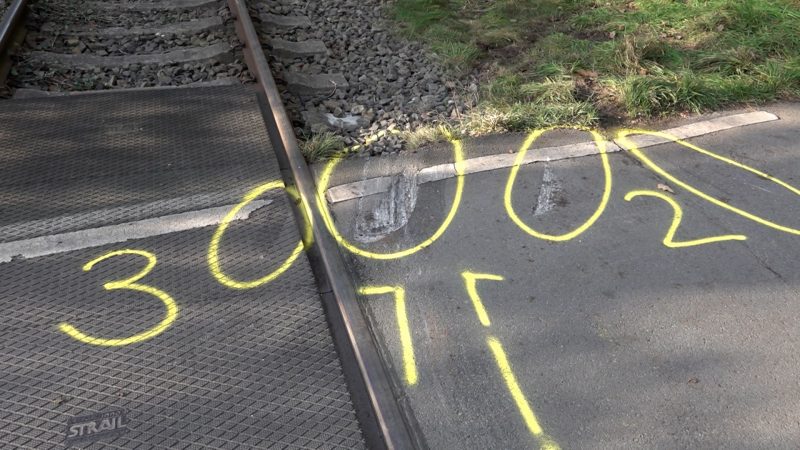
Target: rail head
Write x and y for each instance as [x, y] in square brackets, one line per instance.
[8, 23]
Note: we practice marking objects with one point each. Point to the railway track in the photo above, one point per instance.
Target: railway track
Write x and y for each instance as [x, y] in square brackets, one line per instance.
[92, 46]
[49, 48]
[360, 83]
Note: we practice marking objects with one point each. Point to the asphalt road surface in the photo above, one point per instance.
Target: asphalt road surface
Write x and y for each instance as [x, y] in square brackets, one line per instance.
[609, 338]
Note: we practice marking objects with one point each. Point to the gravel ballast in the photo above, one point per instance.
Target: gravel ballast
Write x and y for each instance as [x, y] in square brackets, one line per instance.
[62, 53]
[393, 84]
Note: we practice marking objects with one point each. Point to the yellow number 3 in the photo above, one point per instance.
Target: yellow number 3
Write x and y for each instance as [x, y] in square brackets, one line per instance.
[131, 284]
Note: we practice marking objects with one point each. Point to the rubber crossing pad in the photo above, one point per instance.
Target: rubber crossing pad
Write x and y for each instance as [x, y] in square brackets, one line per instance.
[74, 155]
[234, 368]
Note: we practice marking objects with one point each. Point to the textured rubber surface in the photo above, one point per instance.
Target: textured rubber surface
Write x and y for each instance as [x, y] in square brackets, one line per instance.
[251, 368]
[78, 154]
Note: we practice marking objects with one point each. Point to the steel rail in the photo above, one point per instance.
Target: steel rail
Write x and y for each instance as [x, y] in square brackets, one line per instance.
[8, 23]
[382, 419]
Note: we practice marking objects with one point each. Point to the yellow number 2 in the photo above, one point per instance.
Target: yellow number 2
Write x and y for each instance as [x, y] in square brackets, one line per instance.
[669, 239]
[130, 284]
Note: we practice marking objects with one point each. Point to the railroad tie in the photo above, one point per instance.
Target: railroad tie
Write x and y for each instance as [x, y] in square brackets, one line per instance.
[320, 84]
[275, 20]
[284, 49]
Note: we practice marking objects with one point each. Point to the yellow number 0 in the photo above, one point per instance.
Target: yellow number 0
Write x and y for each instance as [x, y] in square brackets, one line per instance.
[131, 284]
[213, 248]
[669, 238]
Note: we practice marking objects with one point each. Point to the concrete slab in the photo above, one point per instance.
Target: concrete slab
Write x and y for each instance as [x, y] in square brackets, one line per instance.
[303, 84]
[275, 20]
[219, 52]
[608, 338]
[282, 48]
[196, 26]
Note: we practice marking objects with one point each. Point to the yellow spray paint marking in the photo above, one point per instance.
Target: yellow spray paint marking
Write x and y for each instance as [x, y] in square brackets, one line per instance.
[458, 157]
[409, 363]
[525, 410]
[129, 284]
[546, 443]
[676, 222]
[622, 137]
[507, 199]
[471, 280]
[213, 248]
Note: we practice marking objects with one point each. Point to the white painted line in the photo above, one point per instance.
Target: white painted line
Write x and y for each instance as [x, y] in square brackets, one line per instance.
[371, 186]
[491, 162]
[567, 152]
[436, 173]
[115, 214]
[358, 189]
[705, 127]
[112, 234]
[379, 185]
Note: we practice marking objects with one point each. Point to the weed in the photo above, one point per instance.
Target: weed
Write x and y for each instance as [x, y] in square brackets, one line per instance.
[455, 55]
[321, 146]
[418, 15]
[428, 135]
[529, 116]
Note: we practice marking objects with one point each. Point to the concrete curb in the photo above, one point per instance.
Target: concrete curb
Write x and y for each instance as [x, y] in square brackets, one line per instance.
[378, 185]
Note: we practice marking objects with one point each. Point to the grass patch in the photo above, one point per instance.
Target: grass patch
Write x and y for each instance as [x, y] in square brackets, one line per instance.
[456, 55]
[551, 62]
[428, 135]
[321, 146]
[528, 116]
